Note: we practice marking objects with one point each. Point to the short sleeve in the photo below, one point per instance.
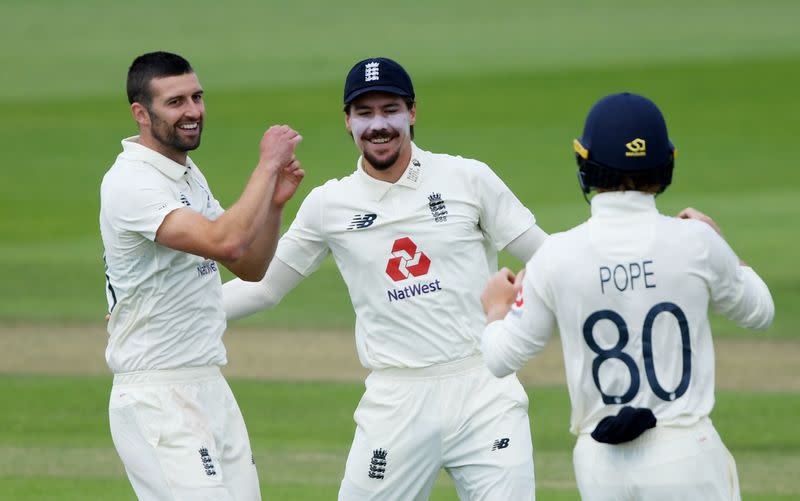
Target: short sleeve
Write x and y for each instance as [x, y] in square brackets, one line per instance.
[304, 246]
[502, 216]
[138, 206]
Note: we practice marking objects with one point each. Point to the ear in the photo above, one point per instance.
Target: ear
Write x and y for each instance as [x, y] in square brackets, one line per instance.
[347, 122]
[413, 114]
[140, 114]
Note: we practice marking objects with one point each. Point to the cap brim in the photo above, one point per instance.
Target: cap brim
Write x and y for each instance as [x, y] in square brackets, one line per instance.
[378, 88]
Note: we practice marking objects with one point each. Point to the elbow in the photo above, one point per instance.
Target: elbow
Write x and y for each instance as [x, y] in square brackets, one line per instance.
[231, 251]
[492, 356]
[252, 275]
[764, 320]
[497, 369]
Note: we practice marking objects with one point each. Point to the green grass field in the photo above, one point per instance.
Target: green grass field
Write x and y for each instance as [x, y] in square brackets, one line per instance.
[508, 82]
[56, 446]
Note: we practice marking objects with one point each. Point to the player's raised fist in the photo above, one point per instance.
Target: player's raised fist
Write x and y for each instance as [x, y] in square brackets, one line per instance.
[277, 146]
[499, 293]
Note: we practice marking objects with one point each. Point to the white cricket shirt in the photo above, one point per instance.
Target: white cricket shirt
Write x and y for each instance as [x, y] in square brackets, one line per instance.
[166, 305]
[414, 254]
[630, 291]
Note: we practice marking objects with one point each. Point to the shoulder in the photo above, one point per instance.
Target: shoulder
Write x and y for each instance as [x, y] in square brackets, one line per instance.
[690, 232]
[128, 176]
[561, 246]
[454, 162]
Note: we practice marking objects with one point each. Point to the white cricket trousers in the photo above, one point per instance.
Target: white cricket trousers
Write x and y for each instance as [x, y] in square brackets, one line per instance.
[181, 436]
[410, 423]
[663, 464]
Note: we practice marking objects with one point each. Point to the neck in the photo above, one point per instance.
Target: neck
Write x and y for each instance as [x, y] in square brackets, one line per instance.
[175, 155]
[394, 172]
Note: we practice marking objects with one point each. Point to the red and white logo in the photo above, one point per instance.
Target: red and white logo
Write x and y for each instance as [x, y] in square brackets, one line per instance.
[519, 300]
[408, 260]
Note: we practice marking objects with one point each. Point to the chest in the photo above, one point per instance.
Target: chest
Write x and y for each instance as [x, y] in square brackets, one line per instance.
[418, 224]
[194, 194]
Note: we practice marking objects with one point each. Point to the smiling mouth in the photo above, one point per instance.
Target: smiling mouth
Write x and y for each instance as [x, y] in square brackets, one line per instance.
[189, 126]
[380, 139]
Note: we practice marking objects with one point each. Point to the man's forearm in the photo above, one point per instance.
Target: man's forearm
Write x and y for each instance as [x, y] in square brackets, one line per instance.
[259, 253]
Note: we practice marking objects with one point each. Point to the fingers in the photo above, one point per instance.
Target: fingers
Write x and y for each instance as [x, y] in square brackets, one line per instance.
[498, 295]
[692, 213]
[278, 146]
[508, 274]
[520, 276]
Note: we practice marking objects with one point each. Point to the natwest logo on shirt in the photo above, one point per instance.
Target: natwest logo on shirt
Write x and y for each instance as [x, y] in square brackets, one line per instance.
[408, 260]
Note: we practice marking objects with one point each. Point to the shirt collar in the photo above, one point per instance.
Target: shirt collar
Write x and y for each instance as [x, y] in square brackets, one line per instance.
[134, 150]
[613, 203]
[411, 178]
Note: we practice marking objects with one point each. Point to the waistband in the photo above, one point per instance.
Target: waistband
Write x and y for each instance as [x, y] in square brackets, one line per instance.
[444, 370]
[665, 434]
[184, 375]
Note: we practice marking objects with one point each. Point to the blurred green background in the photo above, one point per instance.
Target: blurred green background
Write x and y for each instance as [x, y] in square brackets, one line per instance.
[508, 82]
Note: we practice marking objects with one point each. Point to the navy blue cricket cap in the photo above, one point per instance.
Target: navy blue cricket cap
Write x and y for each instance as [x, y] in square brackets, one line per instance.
[377, 74]
[625, 132]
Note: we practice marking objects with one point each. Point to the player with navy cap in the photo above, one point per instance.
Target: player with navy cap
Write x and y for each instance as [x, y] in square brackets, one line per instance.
[629, 290]
[415, 235]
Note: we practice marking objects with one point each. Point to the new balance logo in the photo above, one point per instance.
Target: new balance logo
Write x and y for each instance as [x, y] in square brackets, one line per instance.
[371, 71]
[500, 443]
[377, 467]
[208, 463]
[360, 221]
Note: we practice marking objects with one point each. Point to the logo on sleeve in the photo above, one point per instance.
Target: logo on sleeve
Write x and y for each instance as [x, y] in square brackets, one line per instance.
[361, 221]
[185, 200]
[408, 260]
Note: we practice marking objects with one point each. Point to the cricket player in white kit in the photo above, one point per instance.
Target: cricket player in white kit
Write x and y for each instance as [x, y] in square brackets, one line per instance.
[173, 418]
[415, 235]
[629, 291]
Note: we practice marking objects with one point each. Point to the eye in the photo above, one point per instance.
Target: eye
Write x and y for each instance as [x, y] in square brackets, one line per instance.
[197, 98]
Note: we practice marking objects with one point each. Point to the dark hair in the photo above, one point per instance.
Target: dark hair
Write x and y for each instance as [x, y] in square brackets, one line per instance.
[407, 99]
[149, 66]
[594, 175]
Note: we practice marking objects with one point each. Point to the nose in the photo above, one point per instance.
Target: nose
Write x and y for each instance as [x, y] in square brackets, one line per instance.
[195, 109]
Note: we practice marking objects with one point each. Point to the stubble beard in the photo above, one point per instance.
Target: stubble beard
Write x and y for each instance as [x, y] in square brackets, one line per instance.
[379, 164]
[166, 135]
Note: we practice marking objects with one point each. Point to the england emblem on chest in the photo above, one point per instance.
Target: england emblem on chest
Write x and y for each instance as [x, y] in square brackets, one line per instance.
[437, 207]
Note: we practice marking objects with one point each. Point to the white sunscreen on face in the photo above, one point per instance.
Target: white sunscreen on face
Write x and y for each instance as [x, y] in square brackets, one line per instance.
[395, 122]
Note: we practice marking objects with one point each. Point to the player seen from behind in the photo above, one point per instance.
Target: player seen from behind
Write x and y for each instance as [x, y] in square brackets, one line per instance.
[629, 290]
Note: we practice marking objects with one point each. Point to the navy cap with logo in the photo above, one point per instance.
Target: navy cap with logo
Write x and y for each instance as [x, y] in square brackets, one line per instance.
[625, 132]
[377, 74]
